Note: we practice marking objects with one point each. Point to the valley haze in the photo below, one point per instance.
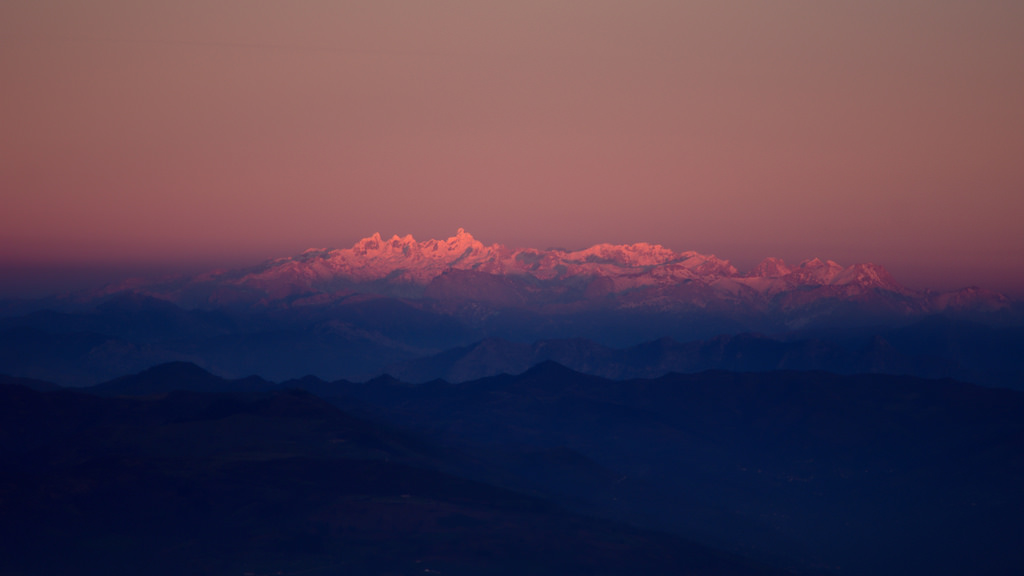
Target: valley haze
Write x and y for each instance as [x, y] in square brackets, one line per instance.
[465, 310]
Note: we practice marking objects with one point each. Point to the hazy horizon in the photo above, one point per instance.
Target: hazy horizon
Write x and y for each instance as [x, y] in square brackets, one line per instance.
[34, 279]
[165, 136]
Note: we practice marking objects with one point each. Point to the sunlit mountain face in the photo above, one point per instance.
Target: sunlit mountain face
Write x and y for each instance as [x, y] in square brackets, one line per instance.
[641, 276]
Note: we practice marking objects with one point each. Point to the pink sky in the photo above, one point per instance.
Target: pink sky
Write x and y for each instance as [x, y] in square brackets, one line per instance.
[223, 132]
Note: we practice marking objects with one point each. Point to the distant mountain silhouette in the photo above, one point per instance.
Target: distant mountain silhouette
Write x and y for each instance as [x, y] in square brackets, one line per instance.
[368, 336]
[934, 347]
[175, 376]
[31, 383]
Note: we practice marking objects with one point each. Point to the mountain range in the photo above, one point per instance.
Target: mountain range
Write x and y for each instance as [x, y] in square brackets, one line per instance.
[448, 407]
[460, 270]
[409, 307]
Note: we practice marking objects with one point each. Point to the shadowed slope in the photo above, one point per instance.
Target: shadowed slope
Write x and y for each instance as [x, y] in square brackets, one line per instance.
[863, 474]
[270, 483]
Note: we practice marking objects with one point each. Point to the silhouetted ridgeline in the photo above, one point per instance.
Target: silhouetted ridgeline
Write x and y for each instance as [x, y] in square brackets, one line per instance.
[278, 482]
[362, 336]
[807, 472]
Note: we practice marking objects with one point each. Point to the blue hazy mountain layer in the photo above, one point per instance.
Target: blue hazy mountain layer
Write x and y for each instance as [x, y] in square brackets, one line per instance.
[360, 339]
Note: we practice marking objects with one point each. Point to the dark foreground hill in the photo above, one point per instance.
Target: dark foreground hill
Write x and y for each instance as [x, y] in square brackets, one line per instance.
[809, 471]
[277, 482]
[860, 474]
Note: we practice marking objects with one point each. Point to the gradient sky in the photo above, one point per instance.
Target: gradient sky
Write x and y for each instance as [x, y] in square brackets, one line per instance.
[168, 134]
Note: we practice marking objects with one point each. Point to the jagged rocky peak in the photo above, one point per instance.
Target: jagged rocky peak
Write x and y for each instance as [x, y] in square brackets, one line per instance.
[376, 244]
[867, 275]
[639, 255]
[462, 242]
[771, 268]
[814, 271]
[367, 245]
[817, 264]
[456, 245]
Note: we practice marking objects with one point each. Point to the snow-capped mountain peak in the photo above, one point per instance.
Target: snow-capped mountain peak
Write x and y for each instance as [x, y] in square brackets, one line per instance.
[403, 259]
[771, 268]
[642, 274]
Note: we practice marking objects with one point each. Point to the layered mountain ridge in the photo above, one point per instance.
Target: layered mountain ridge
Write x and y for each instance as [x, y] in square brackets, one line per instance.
[358, 311]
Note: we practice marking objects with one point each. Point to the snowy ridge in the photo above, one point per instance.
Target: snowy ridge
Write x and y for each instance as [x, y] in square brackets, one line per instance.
[462, 269]
[629, 266]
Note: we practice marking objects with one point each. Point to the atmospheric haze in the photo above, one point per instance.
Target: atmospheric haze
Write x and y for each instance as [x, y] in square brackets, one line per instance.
[183, 134]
